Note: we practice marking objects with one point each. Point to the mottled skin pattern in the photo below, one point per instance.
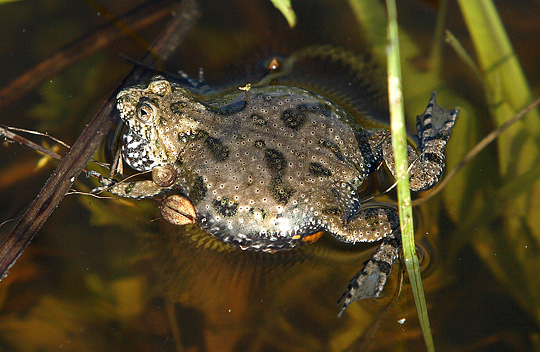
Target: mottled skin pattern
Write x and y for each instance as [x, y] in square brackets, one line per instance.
[267, 167]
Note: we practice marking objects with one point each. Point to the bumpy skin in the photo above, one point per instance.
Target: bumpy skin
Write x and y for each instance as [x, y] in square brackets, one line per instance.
[268, 167]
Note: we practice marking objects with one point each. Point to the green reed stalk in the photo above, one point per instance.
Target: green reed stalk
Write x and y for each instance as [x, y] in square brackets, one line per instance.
[399, 144]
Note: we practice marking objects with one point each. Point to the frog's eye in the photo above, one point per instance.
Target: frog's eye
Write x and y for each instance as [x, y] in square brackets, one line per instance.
[145, 113]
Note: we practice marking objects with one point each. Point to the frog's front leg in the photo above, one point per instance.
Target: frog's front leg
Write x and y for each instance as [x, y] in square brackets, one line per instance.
[136, 190]
[425, 168]
[163, 180]
[369, 225]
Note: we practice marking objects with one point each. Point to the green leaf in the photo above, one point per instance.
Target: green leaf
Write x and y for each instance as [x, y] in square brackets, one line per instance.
[286, 9]
[507, 92]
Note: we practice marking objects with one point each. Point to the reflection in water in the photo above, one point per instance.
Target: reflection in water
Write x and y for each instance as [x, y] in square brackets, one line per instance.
[242, 298]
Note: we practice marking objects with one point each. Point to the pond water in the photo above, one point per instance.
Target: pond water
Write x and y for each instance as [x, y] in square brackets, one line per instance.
[106, 274]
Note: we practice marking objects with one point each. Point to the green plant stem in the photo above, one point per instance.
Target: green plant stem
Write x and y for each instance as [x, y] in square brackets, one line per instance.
[506, 82]
[399, 144]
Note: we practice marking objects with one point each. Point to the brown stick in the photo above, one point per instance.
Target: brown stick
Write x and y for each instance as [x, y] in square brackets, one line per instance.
[80, 49]
[71, 166]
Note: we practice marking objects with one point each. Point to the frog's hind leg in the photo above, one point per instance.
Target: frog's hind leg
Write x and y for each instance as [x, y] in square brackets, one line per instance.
[369, 225]
[370, 281]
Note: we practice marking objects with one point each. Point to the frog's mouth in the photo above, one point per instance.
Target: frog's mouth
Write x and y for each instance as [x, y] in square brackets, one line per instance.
[135, 151]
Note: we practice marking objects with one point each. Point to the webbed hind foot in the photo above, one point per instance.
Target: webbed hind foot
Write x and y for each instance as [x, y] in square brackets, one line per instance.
[370, 281]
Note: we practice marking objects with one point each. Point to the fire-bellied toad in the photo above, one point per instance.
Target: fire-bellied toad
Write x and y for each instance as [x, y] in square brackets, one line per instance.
[270, 167]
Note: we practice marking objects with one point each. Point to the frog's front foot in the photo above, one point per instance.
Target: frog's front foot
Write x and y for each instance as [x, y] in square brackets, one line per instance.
[106, 183]
[163, 181]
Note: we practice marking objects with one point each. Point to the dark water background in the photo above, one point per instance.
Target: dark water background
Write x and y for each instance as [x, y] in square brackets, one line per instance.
[108, 275]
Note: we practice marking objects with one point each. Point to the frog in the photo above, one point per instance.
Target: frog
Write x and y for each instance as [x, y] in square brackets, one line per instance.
[270, 167]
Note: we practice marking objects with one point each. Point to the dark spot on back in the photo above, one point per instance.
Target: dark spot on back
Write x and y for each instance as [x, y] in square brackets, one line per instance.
[226, 206]
[200, 135]
[317, 169]
[178, 106]
[197, 135]
[198, 190]
[258, 120]
[217, 149]
[275, 162]
[258, 210]
[371, 159]
[332, 147]
[294, 118]
[394, 241]
[281, 191]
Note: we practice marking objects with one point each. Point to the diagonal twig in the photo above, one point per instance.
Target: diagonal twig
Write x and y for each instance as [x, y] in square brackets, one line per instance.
[5, 132]
[82, 150]
[80, 49]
